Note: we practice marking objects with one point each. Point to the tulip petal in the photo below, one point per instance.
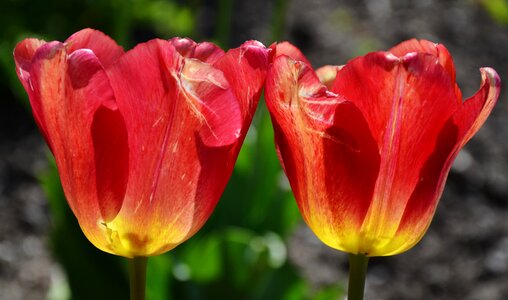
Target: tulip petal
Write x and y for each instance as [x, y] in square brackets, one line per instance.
[245, 69]
[205, 52]
[351, 168]
[437, 50]
[423, 201]
[286, 48]
[107, 128]
[67, 100]
[399, 97]
[424, 46]
[161, 150]
[111, 152]
[318, 130]
[109, 135]
[174, 110]
[23, 55]
[464, 123]
[212, 99]
[476, 109]
[106, 49]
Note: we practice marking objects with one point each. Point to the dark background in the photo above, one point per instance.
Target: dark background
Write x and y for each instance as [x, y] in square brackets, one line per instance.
[255, 246]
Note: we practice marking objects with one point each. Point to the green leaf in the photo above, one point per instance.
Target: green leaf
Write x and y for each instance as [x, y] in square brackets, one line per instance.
[203, 256]
[498, 10]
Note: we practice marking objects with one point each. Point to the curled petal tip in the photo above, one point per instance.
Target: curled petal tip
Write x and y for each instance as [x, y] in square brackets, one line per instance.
[491, 74]
[253, 43]
[492, 94]
[491, 79]
[103, 46]
[25, 50]
[48, 50]
[205, 51]
[182, 42]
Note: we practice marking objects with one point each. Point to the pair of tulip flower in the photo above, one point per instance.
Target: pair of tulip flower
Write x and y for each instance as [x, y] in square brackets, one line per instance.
[145, 141]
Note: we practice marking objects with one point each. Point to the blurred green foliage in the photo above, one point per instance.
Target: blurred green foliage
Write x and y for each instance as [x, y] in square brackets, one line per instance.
[498, 9]
[241, 253]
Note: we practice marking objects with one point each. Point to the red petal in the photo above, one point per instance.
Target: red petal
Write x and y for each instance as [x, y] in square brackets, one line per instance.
[24, 52]
[108, 131]
[83, 64]
[464, 123]
[23, 56]
[310, 95]
[245, 70]
[102, 45]
[174, 110]
[477, 108]
[286, 48]
[212, 100]
[111, 152]
[406, 103]
[423, 201]
[327, 151]
[437, 50]
[70, 88]
[351, 165]
[205, 52]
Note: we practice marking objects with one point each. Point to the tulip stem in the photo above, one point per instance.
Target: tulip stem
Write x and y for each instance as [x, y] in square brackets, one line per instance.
[137, 274]
[357, 271]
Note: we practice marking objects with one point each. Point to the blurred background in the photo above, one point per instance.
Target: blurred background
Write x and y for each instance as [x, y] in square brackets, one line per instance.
[255, 246]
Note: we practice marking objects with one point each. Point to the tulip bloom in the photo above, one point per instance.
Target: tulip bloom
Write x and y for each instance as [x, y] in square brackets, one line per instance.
[144, 141]
[367, 146]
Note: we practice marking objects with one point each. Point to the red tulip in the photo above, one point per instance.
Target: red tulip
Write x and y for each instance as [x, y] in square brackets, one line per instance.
[144, 141]
[367, 147]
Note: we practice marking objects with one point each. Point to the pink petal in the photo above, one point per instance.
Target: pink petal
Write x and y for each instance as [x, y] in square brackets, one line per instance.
[205, 52]
[24, 52]
[102, 45]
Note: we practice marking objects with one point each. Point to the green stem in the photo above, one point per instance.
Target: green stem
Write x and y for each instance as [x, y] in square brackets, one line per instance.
[357, 271]
[137, 274]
